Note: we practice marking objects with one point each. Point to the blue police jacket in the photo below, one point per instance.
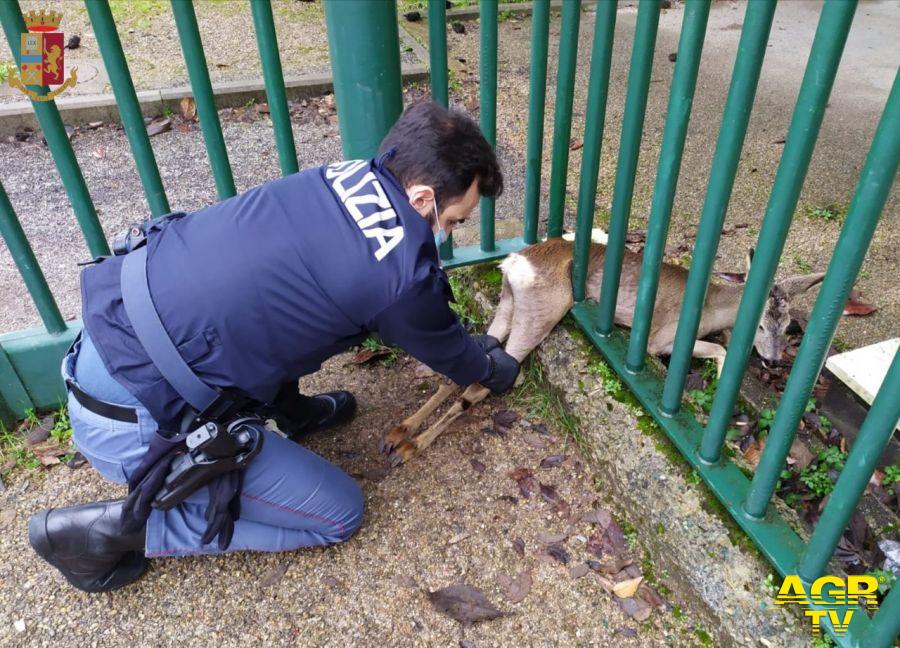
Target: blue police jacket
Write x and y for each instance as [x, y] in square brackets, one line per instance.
[261, 288]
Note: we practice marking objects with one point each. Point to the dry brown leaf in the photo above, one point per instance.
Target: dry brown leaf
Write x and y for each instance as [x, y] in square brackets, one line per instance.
[518, 546]
[367, 355]
[551, 538]
[535, 441]
[525, 480]
[753, 452]
[600, 517]
[477, 466]
[274, 575]
[579, 570]
[858, 308]
[515, 589]
[159, 126]
[552, 461]
[605, 583]
[464, 603]
[627, 588]
[550, 495]
[574, 145]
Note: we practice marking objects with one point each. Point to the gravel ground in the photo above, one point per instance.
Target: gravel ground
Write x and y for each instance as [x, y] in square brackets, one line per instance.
[147, 31]
[433, 522]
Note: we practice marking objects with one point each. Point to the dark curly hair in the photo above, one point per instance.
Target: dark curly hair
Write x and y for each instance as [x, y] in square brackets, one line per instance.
[443, 149]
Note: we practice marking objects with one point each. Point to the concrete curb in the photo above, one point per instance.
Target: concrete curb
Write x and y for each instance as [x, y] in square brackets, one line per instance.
[229, 94]
[718, 581]
[514, 8]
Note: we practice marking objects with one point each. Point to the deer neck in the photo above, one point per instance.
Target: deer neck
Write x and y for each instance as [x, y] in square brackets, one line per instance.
[721, 308]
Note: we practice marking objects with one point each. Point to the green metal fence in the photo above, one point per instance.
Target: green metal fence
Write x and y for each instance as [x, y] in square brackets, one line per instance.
[363, 44]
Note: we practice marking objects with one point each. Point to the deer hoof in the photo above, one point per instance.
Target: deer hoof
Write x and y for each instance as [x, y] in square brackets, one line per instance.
[394, 438]
[402, 453]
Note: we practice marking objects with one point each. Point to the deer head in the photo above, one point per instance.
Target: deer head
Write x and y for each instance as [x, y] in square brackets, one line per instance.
[770, 340]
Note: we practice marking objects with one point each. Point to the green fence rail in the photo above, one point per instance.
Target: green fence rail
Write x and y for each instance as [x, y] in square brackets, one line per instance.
[364, 48]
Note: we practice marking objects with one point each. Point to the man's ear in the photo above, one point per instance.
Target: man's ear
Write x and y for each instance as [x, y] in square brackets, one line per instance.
[420, 196]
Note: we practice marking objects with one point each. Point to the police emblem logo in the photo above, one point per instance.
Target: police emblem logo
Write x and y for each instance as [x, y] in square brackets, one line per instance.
[42, 57]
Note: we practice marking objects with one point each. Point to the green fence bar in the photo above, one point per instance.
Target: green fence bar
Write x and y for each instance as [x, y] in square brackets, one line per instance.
[856, 234]
[128, 105]
[23, 255]
[195, 59]
[885, 626]
[537, 94]
[562, 119]
[365, 60]
[824, 57]
[487, 69]
[598, 88]
[873, 437]
[437, 51]
[439, 75]
[678, 113]
[269, 56]
[57, 140]
[629, 149]
[744, 81]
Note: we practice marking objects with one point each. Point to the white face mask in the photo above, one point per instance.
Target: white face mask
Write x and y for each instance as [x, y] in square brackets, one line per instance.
[440, 237]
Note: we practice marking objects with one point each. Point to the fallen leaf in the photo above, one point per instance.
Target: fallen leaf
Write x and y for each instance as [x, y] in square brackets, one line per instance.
[801, 455]
[518, 546]
[551, 538]
[37, 435]
[509, 498]
[625, 631]
[753, 452]
[159, 126]
[605, 583]
[274, 575]
[579, 570]
[525, 479]
[464, 603]
[503, 421]
[367, 355]
[574, 145]
[858, 308]
[558, 552]
[636, 608]
[650, 596]
[422, 370]
[8, 465]
[477, 465]
[535, 441]
[627, 588]
[550, 495]
[49, 460]
[465, 643]
[600, 517]
[515, 589]
[262, 108]
[609, 567]
[552, 461]
[188, 108]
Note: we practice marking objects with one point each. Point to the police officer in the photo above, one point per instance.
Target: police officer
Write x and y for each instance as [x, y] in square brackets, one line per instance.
[254, 292]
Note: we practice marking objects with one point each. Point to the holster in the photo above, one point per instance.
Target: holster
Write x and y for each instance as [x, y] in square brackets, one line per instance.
[212, 449]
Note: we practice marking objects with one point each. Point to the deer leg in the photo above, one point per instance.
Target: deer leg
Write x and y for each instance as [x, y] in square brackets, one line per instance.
[502, 322]
[409, 425]
[710, 350]
[407, 448]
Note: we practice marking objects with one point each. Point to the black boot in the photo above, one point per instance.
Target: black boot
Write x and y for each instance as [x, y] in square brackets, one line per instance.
[85, 544]
[296, 414]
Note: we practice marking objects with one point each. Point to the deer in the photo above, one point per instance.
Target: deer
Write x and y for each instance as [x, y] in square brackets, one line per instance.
[536, 294]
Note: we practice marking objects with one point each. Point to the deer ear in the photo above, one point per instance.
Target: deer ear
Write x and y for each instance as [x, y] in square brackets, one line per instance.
[801, 283]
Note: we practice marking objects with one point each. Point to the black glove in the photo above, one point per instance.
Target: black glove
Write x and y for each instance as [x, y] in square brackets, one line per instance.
[224, 508]
[487, 342]
[148, 478]
[504, 370]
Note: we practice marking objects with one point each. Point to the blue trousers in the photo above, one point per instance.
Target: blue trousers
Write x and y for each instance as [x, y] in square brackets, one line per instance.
[291, 497]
